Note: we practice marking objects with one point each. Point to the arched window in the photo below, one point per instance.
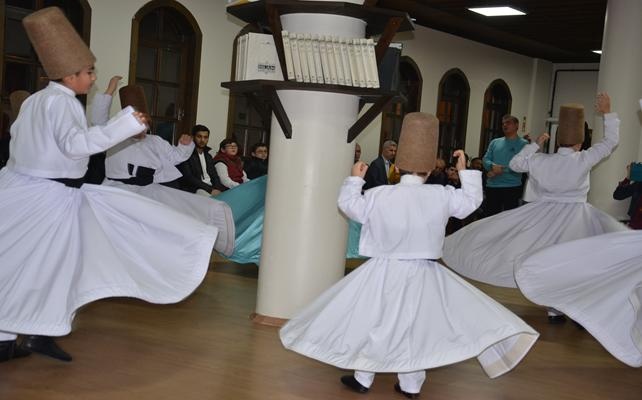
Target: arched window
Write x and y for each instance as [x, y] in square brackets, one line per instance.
[249, 118]
[497, 103]
[165, 60]
[409, 100]
[20, 68]
[452, 112]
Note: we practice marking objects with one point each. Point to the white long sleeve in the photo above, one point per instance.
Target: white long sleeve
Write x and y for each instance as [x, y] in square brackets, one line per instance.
[51, 138]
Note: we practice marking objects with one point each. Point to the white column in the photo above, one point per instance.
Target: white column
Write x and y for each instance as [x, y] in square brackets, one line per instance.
[304, 235]
[620, 76]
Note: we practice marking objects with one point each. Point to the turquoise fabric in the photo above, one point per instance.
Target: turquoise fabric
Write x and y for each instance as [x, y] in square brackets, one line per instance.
[247, 202]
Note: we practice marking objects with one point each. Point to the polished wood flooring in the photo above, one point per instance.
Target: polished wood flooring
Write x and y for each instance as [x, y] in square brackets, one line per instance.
[207, 348]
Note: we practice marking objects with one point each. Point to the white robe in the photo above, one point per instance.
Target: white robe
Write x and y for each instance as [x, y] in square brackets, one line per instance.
[596, 281]
[486, 250]
[64, 247]
[401, 311]
[154, 152]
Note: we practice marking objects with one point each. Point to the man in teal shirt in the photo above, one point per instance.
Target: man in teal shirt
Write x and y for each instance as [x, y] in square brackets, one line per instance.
[504, 186]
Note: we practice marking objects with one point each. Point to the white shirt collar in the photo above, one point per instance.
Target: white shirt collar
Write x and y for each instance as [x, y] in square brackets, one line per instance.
[566, 150]
[61, 87]
[411, 180]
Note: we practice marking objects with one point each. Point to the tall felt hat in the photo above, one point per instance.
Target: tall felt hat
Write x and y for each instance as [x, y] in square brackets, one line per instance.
[60, 48]
[417, 150]
[133, 95]
[16, 99]
[571, 124]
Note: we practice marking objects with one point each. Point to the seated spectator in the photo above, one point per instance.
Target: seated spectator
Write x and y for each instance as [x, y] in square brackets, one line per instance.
[228, 164]
[477, 163]
[199, 173]
[628, 188]
[453, 177]
[257, 164]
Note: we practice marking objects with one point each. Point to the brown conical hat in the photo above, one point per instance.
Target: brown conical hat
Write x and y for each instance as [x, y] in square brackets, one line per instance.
[60, 48]
[571, 124]
[16, 99]
[133, 95]
[417, 150]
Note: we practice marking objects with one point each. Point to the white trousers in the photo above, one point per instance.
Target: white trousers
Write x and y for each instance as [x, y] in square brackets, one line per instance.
[410, 382]
[7, 336]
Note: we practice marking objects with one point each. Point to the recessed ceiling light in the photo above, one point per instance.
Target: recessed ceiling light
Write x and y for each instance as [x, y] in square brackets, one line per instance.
[496, 11]
[597, 51]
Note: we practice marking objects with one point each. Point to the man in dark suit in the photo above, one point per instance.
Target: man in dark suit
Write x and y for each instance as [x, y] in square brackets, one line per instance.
[199, 173]
[379, 169]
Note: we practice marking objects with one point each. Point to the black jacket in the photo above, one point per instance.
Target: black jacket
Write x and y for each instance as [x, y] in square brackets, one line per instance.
[193, 173]
[627, 189]
[376, 174]
[255, 167]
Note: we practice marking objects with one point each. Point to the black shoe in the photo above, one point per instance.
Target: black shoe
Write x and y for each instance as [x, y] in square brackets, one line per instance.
[44, 345]
[9, 350]
[556, 319]
[353, 384]
[408, 395]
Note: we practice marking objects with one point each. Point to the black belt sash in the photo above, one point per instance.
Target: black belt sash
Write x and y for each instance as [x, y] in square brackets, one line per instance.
[70, 182]
[144, 176]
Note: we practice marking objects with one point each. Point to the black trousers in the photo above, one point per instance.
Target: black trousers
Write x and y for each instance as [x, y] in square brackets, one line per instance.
[501, 199]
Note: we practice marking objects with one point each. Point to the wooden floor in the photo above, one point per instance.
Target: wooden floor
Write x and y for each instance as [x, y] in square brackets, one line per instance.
[207, 348]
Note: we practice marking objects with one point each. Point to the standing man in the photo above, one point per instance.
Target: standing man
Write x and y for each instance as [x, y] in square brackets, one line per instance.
[504, 186]
[199, 173]
[379, 170]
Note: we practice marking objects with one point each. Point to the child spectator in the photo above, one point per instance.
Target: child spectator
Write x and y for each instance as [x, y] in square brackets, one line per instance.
[228, 164]
[257, 164]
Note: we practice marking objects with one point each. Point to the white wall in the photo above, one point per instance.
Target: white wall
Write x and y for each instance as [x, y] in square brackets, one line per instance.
[435, 53]
[110, 41]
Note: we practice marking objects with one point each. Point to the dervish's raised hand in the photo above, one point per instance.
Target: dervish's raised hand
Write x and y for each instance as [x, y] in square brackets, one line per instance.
[142, 118]
[543, 138]
[113, 84]
[359, 169]
[603, 103]
[185, 139]
[461, 159]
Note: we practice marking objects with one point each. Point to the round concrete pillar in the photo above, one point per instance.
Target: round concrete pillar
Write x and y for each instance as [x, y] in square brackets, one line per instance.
[304, 236]
[621, 76]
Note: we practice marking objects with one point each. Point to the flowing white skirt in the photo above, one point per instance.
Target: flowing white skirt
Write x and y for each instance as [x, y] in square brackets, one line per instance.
[63, 247]
[400, 316]
[597, 282]
[210, 211]
[486, 250]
